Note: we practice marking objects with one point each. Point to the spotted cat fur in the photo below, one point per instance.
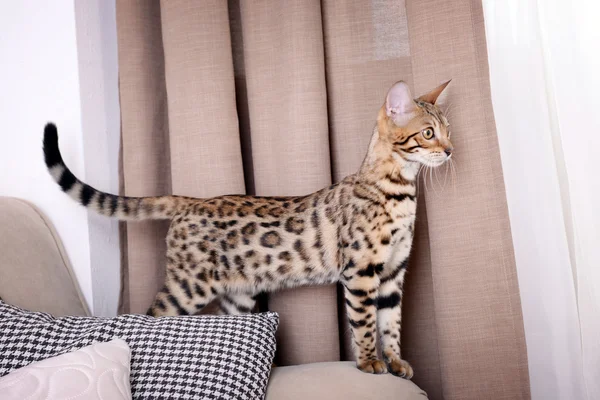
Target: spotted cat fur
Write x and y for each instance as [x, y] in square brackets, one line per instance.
[358, 232]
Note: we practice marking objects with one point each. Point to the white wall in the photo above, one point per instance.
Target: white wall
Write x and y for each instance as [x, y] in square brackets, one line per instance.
[40, 81]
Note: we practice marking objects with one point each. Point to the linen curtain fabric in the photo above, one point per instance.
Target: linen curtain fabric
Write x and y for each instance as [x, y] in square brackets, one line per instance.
[280, 98]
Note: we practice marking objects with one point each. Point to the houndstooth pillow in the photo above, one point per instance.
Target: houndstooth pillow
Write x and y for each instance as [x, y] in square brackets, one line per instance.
[187, 357]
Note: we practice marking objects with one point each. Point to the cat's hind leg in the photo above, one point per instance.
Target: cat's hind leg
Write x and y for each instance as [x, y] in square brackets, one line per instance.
[185, 292]
[236, 303]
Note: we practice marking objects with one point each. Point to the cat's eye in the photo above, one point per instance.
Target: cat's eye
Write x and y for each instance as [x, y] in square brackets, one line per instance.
[427, 133]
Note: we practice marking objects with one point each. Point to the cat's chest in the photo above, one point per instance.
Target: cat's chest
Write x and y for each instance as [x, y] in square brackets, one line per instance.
[401, 230]
[400, 217]
[401, 208]
[397, 252]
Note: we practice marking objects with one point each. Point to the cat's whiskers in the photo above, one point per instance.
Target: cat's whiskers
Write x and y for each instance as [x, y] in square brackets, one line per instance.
[449, 110]
[423, 175]
[394, 170]
[431, 174]
[437, 178]
[453, 173]
[446, 167]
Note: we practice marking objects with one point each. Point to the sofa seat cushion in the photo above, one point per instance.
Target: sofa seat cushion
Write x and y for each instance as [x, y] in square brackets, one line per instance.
[338, 380]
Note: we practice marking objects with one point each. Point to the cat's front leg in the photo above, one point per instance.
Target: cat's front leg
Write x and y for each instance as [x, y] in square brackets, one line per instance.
[360, 290]
[389, 318]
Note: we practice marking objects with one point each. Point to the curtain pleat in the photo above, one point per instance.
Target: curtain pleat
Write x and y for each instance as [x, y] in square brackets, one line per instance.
[206, 158]
[146, 168]
[280, 98]
[477, 307]
[419, 336]
[287, 106]
[362, 62]
[360, 72]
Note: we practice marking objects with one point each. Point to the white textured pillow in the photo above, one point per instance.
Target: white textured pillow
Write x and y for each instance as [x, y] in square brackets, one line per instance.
[96, 372]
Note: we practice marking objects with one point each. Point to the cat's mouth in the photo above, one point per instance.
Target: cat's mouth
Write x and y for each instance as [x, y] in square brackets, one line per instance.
[435, 161]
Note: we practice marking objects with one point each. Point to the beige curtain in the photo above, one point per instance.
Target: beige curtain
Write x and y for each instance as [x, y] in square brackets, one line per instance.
[280, 98]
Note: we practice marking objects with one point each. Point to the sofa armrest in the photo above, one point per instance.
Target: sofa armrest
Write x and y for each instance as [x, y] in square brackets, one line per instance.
[35, 273]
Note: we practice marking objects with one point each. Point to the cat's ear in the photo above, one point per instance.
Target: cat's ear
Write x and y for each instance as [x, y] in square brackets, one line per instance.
[399, 103]
[432, 96]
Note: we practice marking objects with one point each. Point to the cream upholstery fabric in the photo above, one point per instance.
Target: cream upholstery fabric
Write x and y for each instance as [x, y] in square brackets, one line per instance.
[337, 380]
[96, 372]
[35, 272]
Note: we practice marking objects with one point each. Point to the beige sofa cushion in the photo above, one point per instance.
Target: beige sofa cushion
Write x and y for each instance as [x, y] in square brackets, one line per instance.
[337, 380]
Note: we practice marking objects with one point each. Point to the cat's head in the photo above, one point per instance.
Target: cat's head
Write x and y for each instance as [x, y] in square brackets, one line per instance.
[415, 129]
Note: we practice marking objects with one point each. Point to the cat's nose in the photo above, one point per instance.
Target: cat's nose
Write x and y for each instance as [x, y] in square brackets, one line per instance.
[448, 152]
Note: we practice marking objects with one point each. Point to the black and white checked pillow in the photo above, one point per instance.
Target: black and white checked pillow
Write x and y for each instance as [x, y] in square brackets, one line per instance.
[187, 357]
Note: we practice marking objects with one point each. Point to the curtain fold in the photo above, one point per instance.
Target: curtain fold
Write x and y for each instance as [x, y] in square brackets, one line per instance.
[204, 140]
[289, 144]
[273, 98]
[473, 265]
[146, 169]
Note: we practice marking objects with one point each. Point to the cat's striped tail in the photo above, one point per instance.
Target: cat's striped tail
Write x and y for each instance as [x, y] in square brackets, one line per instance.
[110, 205]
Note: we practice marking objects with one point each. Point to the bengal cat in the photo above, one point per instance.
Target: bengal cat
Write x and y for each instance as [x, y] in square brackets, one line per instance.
[358, 232]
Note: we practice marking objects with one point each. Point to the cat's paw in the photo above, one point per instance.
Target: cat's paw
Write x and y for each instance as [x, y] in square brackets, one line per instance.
[400, 368]
[372, 366]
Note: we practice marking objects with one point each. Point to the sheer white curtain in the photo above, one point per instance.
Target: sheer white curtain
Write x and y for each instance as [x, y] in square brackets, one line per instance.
[544, 59]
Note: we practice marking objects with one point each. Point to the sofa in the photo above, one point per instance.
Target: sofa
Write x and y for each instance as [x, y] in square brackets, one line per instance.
[35, 274]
